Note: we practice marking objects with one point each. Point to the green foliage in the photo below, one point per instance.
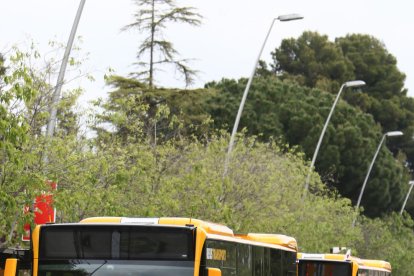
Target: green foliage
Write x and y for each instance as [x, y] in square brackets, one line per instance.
[137, 112]
[373, 64]
[156, 154]
[151, 19]
[296, 115]
[390, 238]
[320, 63]
[309, 61]
[15, 190]
[313, 61]
[262, 191]
[24, 99]
[316, 62]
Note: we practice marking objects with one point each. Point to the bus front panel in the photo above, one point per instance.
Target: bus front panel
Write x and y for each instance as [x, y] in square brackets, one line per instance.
[116, 250]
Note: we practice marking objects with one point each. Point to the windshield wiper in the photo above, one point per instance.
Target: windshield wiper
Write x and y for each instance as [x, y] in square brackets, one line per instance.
[99, 267]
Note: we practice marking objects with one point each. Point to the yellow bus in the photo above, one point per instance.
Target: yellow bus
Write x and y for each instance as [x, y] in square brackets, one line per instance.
[326, 265]
[12, 255]
[155, 247]
[340, 265]
[373, 268]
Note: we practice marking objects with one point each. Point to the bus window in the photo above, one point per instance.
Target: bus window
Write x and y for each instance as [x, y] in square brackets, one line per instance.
[321, 268]
[67, 250]
[289, 263]
[244, 267]
[275, 262]
[266, 262]
[257, 261]
[222, 255]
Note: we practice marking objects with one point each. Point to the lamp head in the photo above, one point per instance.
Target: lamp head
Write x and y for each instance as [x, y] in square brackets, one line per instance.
[394, 133]
[355, 83]
[289, 17]
[411, 182]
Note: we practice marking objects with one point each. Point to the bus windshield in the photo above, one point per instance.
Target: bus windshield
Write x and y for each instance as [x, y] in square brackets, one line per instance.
[320, 268]
[116, 250]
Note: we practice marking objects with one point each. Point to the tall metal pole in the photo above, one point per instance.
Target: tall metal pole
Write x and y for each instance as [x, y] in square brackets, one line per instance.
[355, 83]
[369, 170]
[408, 195]
[390, 133]
[288, 17]
[315, 154]
[56, 94]
[241, 106]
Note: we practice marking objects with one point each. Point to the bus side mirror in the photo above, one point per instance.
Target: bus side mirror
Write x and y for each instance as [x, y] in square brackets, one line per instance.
[11, 267]
[213, 272]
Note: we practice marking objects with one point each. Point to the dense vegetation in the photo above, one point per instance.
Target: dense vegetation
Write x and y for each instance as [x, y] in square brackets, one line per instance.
[160, 152]
[295, 115]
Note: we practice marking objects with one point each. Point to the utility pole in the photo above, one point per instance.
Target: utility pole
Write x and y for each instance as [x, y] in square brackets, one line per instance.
[56, 94]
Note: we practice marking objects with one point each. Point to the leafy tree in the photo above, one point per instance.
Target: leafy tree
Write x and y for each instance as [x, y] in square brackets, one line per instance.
[14, 159]
[324, 64]
[313, 61]
[387, 98]
[24, 98]
[41, 71]
[262, 191]
[296, 115]
[306, 60]
[390, 238]
[373, 64]
[320, 62]
[151, 18]
[138, 113]
[183, 177]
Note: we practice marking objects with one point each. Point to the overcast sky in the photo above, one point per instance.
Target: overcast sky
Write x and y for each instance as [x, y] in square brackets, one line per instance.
[226, 45]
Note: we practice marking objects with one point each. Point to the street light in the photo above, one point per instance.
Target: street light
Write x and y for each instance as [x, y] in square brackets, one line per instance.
[50, 128]
[389, 134]
[354, 83]
[411, 183]
[282, 18]
[56, 94]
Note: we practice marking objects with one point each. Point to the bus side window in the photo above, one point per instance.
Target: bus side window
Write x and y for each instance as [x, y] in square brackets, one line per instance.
[222, 255]
[266, 262]
[244, 260]
[257, 261]
[289, 263]
[275, 262]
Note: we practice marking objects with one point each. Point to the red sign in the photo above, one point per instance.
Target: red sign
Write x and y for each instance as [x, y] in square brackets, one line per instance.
[43, 210]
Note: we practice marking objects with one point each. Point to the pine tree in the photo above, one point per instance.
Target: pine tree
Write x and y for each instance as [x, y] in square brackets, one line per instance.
[151, 19]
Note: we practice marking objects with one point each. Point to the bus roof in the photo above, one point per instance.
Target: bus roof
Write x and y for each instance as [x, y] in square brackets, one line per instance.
[325, 257]
[209, 227]
[374, 265]
[277, 239]
[213, 230]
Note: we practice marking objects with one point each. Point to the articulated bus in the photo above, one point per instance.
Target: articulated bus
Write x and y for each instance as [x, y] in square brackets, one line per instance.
[373, 268]
[155, 247]
[340, 265]
[326, 265]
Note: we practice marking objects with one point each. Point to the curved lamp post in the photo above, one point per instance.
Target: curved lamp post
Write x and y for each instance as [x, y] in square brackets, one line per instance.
[282, 18]
[354, 83]
[411, 183]
[56, 94]
[50, 129]
[388, 134]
